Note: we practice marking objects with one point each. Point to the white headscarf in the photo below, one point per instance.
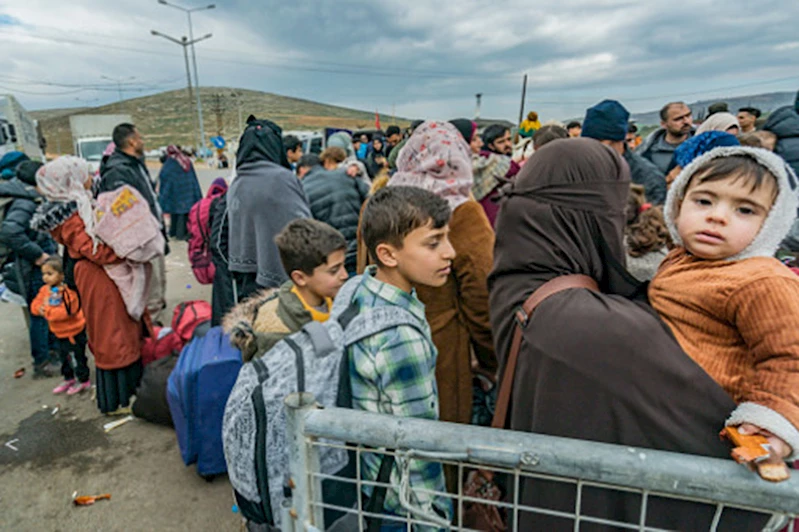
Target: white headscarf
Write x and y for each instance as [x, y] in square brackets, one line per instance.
[63, 180]
[718, 122]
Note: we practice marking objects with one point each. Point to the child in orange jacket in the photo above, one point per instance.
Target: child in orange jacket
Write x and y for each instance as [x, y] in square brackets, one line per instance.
[60, 306]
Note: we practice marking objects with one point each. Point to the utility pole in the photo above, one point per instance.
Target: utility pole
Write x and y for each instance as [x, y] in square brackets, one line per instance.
[119, 82]
[521, 109]
[478, 97]
[188, 12]
[237, 95]
[185, 43]
[219, 111]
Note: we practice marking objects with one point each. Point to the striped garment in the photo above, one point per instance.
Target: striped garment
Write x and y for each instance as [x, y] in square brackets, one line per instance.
[393, 372]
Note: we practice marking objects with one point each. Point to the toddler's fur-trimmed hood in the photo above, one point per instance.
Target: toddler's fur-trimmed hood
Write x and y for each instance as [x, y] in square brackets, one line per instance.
[781, 216]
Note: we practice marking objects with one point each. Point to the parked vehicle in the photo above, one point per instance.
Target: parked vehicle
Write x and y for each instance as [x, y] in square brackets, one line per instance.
[18, 130]
[91, 134]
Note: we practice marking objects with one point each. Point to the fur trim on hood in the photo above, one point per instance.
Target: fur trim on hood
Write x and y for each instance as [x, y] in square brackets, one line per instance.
[780, 218]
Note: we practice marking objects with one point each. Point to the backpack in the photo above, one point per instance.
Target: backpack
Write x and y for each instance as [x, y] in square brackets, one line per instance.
[158, 347]
[191, 318]
[313, 360]
[151, 403]
[200, 236]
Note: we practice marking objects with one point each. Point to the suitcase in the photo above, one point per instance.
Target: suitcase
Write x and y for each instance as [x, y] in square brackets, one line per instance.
[197, 391]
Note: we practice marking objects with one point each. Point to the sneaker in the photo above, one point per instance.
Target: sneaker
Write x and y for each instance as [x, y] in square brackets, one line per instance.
[64, 386]
[45, 370]
[121, 411]
[78, 387]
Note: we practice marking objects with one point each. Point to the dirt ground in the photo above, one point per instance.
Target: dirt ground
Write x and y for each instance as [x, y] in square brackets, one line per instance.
[58, 454]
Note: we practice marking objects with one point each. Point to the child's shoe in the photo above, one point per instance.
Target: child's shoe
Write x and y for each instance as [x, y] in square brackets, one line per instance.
[64, 386]
[78, 387]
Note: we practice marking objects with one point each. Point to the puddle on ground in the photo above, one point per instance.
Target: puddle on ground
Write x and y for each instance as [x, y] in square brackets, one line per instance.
[44, 439]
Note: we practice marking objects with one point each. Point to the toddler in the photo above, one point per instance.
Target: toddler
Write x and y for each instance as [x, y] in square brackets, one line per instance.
[60, 306]
[732, 306]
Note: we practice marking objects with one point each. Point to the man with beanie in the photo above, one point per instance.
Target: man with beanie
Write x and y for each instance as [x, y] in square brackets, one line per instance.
[22, 251]
[607, 122]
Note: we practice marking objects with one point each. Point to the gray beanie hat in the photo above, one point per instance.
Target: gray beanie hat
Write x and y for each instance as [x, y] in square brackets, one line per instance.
[780, 218]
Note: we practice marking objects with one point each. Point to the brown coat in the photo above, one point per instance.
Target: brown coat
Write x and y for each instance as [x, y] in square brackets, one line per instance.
[114, 337]
[458, 311]
[739, 320]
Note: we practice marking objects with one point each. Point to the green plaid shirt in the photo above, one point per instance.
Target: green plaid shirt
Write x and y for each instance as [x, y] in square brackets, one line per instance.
[393, 372]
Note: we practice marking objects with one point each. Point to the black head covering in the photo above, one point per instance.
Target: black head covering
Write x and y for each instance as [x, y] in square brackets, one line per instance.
[26, 172]
[464, 126]
[262, 140]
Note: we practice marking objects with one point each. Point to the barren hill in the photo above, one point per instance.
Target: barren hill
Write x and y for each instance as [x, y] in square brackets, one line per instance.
[170, 118]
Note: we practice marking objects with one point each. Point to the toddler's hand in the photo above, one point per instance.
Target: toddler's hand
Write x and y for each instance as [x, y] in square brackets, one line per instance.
[779, 448]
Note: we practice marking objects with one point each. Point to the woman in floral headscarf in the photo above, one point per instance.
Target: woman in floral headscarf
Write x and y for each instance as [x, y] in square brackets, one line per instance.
[114, 337]
[438, 159]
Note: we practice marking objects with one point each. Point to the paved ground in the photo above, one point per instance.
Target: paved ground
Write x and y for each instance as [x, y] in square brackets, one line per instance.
[137, 463]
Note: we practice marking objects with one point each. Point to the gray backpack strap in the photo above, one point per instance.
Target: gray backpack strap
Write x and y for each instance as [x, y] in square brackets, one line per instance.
[377, 320]
[320, 338]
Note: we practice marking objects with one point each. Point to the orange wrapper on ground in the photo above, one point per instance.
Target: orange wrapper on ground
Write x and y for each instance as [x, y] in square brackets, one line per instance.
[86, 500]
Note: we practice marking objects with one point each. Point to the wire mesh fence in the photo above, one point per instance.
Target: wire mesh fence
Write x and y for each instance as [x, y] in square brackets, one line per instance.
[548, 483]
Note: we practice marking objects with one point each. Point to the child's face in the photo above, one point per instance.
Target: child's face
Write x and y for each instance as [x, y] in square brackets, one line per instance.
[327, 278]
[51, 277]
[719, 219]
[426, 256]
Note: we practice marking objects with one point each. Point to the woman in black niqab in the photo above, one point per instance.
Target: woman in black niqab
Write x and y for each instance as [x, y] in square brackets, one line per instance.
[595, 366]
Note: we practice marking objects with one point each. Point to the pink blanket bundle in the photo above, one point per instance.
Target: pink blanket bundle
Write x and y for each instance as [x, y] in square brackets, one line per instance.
[124, 222]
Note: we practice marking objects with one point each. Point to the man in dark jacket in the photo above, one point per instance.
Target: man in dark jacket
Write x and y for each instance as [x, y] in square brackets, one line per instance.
[784, 122]
[336, 199]
[676, 126]
[607, 123]
[26, 252]
[126, 167]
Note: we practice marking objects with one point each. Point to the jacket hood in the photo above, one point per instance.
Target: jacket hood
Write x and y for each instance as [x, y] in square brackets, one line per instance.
[14, 188]
[781, 216]
[784, 122]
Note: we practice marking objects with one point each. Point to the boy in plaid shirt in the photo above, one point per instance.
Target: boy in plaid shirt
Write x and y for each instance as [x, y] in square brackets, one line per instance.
[393, 372]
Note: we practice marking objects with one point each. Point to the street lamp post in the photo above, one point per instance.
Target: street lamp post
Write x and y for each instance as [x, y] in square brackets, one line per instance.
[185, 43]
[188, 12]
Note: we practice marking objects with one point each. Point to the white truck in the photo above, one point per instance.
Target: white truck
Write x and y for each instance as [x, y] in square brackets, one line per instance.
[18, 130]
[91, 134]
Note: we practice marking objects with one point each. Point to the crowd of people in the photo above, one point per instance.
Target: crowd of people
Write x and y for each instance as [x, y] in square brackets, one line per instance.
[684, 321]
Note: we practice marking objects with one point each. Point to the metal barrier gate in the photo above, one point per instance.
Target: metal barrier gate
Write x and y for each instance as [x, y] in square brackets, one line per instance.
[646, 474]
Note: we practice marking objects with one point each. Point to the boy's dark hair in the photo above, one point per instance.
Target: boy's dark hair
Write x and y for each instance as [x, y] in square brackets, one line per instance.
[392, 130]
[493, 132]
[393, 212]
[739, 166]
[290, 142]
[309, 160]
[305, 244]
[333, 153]
[573, 124]
[750, 139]
[548, 134]
[55, 263]
[754, 111]
[632, 128]
[122, 133]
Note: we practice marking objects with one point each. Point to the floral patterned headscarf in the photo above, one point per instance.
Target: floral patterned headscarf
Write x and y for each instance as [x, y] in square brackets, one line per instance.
[63, 181]
[438, 159]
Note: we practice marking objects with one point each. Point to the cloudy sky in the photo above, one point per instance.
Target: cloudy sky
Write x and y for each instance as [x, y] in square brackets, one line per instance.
[413, 57]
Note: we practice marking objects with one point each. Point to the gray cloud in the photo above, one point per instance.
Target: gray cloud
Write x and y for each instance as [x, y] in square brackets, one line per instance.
[420, 58]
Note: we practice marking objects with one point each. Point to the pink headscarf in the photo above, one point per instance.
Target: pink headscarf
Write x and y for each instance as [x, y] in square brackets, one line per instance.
[438, 159]
[173, 152]
[64, 180]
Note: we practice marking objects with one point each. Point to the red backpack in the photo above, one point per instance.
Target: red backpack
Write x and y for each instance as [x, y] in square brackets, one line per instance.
[200, 235]
[191, 315]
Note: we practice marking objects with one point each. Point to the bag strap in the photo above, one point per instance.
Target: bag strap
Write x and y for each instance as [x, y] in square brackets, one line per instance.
[523, 314]
[375, 503]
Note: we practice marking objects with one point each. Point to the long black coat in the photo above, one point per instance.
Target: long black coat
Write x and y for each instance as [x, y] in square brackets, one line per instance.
[15, 231]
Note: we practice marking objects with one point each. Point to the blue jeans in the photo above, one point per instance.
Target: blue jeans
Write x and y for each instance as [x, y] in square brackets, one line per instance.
[39, 330]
